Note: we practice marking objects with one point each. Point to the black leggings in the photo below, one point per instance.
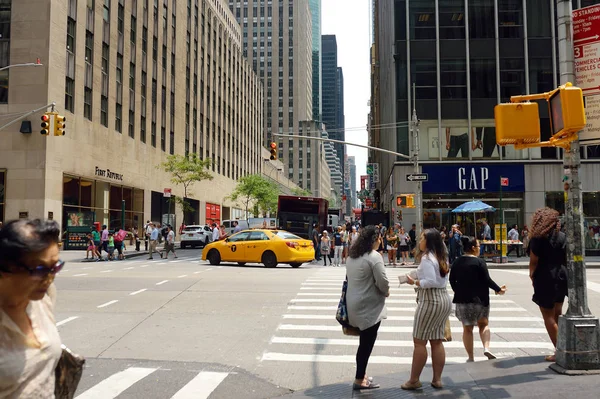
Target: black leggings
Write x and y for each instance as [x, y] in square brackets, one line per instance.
[365, 347]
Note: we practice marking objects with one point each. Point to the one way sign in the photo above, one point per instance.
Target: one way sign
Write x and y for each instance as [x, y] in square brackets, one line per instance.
[417, 177]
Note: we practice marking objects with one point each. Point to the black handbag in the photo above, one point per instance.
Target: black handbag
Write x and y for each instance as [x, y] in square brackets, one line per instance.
[68, 373]
[342, 313]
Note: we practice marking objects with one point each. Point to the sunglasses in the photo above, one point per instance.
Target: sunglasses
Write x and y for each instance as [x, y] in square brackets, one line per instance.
[42, 271]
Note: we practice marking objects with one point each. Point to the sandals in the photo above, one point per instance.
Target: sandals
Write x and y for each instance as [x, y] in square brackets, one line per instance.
[411, 386]
[550, 358]
[437, 384]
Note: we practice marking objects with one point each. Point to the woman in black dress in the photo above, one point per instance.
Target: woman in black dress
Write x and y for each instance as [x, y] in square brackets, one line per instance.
[471, 282]
[547, 268]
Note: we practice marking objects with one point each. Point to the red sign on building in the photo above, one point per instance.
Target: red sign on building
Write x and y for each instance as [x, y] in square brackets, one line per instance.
[504, 181]
[213, 214]
[363, 181]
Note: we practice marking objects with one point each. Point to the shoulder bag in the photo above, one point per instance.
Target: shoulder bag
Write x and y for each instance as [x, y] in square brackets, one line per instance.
[68, 373]
[342, 313]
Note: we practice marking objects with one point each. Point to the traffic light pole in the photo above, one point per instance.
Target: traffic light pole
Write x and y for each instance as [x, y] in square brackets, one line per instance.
[578, 343]
[26, 115]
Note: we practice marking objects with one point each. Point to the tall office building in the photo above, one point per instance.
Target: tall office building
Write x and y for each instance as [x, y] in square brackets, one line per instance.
[137, 81]
[315, 10]
[277, 39]
[332, 89]
[353, 198]
[464, 58]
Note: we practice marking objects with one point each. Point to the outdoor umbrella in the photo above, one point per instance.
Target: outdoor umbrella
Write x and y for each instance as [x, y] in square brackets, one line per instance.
[474, 206]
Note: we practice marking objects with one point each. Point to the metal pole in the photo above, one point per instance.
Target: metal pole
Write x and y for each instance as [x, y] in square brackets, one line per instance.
[22, 65]
[123, 214]
[501, 224]
[415, 156]
[578, 330]
[53, 104]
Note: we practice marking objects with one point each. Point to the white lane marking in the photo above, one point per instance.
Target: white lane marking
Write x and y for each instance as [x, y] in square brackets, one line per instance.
[407, 329]
[407, 344]
[296, 357]
[410, 318]
[106, 271]
[198, 272]
[144, 265]
[220, 267]
[80, 275]
[67, 320]
[321, 300]
[139, 291]
[201, 386]
[209, 269]
[590, 284]
[182, 276]
[129, 268]
[116, 384]
[162, 282]
[85, 268]
[107, 304]
[162, 263]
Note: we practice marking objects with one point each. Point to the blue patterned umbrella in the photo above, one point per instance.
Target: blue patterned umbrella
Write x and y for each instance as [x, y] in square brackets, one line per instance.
[474, 206]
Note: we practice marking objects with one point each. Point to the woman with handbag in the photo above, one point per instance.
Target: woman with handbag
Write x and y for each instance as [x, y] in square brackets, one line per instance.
[368, 286]
[471, 282]
[547, 269]
[325, 247]
[30, 346]
[433, 308]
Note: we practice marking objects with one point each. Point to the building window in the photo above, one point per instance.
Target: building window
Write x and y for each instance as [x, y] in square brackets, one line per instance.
[454, 79]
[422, 20]
[143, 129]
[510, 18]
[118, 117]
[452, 20]
[483, 79]
[163, 139]
[104, 111]
[172, 143]
[69, 94]
[71, 29]
[131, 124]
[482, 19]
[87, 103]
[153, 134]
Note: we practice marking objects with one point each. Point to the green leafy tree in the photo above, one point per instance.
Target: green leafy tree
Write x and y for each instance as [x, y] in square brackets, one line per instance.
[254, 190]
[186, 171]
[300, 192]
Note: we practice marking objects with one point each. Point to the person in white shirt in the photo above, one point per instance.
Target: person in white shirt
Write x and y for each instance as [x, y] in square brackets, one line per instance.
[433, 309]
[170, 243]
[215, 232]
[513, 235]
[353, 235]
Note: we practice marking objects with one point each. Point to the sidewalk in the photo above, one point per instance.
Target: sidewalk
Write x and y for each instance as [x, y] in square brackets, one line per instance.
[78, 255]
[524, 377]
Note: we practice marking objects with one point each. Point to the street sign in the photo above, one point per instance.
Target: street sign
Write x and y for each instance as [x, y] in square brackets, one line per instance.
[417, 177]
[591, 133]
[376, 173]
[369, 168]
[167, 193]
[363, 181]
[371, 183]
[504, 181]
[586, 41]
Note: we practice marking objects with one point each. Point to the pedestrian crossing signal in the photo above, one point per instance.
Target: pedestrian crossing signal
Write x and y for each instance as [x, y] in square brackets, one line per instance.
[405, 201]
[59, 125]
[273, 147]
[45, 125]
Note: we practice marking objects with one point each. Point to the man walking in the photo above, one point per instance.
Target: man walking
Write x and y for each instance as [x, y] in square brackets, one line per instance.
[104, 240]
[169, 243]
[316, 242]
[486, 235]
[154, 241]
[513, 235]
[215, 232]
[338, 247]
[148, 230]
[237, 227]
[412, 234]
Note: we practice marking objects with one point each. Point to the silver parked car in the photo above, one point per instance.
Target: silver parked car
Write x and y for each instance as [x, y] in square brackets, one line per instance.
[195, 236]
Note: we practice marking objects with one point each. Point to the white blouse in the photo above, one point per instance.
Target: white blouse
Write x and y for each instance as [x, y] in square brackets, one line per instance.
[27, 371]
[428, 273]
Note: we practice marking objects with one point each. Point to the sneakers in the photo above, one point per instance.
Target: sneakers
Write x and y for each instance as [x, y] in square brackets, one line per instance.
[488, 354]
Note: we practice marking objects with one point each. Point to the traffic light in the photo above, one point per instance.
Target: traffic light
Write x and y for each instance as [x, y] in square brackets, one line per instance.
[517, 123]
[566, 110]
[273, 147]
[45, 125]
[59, 125]
[405, 201]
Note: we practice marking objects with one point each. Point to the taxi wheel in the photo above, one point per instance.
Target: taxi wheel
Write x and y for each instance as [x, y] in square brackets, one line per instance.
[295, 265]
[214, 257]
[269, 259]
[241, 263]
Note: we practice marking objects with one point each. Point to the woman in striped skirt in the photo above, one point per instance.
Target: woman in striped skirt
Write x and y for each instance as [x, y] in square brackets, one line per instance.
[433, 308]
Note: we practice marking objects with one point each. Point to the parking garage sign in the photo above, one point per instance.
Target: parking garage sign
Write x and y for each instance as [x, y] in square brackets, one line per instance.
[586, 47]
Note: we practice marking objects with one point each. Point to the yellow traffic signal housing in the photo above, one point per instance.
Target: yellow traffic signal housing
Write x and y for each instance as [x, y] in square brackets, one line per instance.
[517, 123]
[59, 125]
[405, 201]
[566, 110]
[45, 125]
[273, 148]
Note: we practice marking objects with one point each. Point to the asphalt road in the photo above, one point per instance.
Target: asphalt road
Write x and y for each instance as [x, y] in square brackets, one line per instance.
[185, 329]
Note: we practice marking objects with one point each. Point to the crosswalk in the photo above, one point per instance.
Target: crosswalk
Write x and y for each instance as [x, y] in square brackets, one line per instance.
[309, 333]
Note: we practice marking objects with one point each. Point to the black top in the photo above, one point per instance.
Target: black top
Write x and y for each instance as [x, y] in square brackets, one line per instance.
[337, 239]
[471, 281]
[551, 252]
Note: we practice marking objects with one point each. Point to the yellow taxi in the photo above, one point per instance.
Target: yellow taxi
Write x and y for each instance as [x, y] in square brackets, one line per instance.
[269, 247]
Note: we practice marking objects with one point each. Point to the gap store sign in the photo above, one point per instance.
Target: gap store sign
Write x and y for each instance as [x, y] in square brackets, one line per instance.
[473, 178]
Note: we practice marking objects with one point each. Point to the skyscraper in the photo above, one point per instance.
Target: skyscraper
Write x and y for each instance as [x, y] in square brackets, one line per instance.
[332, 88]
[315, 10]
[277, 40]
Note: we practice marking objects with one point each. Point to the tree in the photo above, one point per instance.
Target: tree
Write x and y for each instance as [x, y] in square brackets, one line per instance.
[300, 192]
[185, 171]
[255, 190]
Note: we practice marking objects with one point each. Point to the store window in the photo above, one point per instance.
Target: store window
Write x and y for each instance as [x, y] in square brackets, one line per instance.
[2, 193]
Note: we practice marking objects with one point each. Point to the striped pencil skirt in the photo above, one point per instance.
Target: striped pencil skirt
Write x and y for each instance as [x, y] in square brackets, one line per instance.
[433, 308]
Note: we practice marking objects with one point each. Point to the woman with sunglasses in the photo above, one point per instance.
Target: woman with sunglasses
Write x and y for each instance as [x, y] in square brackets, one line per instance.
[30, 346]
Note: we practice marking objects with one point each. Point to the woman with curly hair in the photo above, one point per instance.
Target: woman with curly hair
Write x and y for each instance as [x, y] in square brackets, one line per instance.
[368, 286]
[433, 308]
[547, 268]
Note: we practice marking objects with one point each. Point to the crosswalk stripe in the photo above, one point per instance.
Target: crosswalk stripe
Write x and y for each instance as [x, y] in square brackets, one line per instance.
[408, 344]
[201, 386]
[409, 318]
[396, 309]
[324, 300]
[296, 357]
[407, 329]
[67, 320]
[114, 385]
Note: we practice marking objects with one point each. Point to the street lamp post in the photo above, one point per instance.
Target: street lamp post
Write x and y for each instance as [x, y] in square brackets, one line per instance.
[27, 64]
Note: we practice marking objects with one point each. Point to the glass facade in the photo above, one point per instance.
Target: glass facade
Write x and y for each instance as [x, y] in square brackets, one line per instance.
[464, 58]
